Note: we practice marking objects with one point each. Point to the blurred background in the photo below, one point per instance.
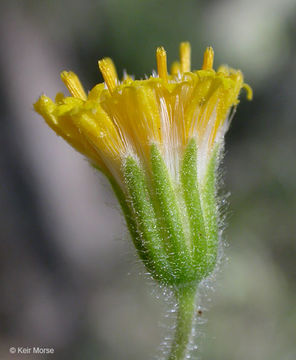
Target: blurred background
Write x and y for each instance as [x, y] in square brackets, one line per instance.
[69, 278]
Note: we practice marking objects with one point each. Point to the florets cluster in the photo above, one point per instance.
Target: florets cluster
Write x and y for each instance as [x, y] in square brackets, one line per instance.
[158, 141]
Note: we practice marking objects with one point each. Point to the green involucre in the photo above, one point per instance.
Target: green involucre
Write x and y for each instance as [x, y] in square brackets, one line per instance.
[174, 235]
[201, 207]
[173, 226]
[210, 210]
[194, 210]
[147, 230]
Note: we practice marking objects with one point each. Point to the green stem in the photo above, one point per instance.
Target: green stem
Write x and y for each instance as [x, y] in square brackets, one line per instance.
[186, 311]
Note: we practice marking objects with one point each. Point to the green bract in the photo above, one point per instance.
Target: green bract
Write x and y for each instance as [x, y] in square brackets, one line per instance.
[174, 226]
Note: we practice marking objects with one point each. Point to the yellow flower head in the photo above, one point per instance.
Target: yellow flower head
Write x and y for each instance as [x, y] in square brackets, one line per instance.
[158, 141]
[117, 118]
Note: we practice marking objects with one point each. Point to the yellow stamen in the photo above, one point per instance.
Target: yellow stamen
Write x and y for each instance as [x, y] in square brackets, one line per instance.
[185, 57]
[73, 84]
[109, 73]
[127, 117]
[175, 68]
[161, 60]
[208, 59]
[248, 90]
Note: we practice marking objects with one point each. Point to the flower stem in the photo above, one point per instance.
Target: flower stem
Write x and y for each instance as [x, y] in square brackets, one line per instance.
[186, 311]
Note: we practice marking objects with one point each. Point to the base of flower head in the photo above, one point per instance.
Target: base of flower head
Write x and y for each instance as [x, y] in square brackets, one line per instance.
[175, 223]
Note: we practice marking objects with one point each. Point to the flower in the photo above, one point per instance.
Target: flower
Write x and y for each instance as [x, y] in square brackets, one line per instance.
[158, 141]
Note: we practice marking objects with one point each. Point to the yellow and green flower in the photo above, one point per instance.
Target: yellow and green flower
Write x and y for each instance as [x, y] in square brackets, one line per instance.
[159, 142]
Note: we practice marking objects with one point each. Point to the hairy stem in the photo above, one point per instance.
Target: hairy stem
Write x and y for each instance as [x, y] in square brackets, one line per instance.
[186, 311]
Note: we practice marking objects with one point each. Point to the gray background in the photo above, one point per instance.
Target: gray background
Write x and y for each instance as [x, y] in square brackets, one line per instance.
[68, 274]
